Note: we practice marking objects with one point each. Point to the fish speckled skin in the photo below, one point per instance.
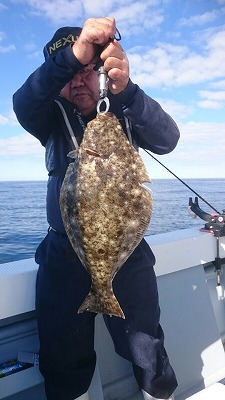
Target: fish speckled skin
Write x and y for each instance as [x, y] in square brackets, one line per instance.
[105, 208]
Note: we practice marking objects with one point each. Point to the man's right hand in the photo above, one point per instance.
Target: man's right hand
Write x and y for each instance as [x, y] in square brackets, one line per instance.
[96, 32]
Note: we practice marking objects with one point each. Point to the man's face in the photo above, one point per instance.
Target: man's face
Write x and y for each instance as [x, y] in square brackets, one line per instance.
[82, 90]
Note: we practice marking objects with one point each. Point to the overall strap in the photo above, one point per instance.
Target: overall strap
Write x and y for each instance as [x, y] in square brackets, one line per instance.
[70, 130]
[128, 127]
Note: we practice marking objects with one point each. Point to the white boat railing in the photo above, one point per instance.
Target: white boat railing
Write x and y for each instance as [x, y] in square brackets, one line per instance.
[192, 317]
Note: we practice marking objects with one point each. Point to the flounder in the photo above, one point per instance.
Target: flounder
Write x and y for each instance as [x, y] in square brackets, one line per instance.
[105, 207]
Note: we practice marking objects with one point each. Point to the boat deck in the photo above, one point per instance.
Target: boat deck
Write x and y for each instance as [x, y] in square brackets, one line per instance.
[192, 316]
[136, 396]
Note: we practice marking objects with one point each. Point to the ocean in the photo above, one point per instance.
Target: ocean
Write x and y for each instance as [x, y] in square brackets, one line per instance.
[23, 219]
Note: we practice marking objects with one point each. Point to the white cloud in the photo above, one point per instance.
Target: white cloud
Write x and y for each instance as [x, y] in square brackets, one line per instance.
[219, 84]
[35, 55]
[210, 104]
[29, 47]
[21, 145]
[3, 120]
[61, 11]
[172, 65]
[4, 47]
[33, 52]
[201, 145]
[203, 132]
[178, 111]
[153, 67]
[199, 153]
[200, 19]
[57, 11]
[9, 120]
[219, 95]
[212, 99]
[138, 15]
[200, 142]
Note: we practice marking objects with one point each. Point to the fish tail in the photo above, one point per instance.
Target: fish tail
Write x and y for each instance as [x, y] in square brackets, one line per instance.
[100, 304]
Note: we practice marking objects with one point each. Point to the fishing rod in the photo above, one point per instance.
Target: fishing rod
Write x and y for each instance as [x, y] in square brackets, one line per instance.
[184, 183]
[215, 224]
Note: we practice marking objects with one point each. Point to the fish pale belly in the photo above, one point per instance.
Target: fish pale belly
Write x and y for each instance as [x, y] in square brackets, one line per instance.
[107, 209]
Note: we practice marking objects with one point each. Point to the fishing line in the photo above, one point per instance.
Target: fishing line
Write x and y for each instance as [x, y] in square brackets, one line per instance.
[184, 183]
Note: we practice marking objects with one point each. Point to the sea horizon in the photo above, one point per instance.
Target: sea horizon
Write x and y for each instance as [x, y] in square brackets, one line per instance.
[23, 210]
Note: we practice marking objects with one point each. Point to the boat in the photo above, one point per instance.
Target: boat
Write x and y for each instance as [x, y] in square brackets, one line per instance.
[191, 285]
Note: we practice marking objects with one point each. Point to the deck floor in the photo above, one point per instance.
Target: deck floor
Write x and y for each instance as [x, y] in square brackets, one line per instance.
[136, 396]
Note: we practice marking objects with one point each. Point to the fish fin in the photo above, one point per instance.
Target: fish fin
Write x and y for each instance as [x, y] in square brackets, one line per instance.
[73, 153]
[146, 187]
[100, 304]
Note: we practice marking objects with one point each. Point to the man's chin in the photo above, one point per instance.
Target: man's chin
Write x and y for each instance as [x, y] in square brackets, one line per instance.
[80, 98]
[86, 109]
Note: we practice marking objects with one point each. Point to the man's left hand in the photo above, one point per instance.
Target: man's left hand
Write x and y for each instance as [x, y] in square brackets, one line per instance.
[117, 65]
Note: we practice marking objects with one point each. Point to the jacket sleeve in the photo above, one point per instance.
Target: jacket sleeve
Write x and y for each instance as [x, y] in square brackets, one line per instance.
[34, 104]
[153, 128]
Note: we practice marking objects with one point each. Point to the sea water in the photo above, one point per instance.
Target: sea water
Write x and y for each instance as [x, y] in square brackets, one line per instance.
[23, 217]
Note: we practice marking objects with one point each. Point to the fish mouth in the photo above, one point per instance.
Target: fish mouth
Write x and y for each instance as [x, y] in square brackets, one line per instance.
[106, 115]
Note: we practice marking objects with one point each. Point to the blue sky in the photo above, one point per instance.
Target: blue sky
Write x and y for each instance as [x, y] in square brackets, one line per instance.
[176, 50]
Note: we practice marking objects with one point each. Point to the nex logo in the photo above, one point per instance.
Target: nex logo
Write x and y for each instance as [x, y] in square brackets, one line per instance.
[62, 42]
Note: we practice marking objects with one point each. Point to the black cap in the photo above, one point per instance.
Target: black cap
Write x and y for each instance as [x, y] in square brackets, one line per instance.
[62, 38]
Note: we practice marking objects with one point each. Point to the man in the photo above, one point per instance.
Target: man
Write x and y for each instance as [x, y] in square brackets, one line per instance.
[54, 105]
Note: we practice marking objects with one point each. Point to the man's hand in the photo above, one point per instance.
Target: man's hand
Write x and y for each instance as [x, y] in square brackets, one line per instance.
[96, 32]
[117, 65]
[96, 39]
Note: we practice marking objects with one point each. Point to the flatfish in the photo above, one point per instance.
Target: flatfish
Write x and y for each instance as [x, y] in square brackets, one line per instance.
[105, 207]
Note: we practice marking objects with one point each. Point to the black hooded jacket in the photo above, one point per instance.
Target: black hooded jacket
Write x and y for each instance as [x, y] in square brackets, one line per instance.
[49, 117]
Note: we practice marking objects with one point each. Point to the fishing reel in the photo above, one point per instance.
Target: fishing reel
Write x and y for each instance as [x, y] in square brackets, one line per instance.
[216, 225]
[215, 222]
